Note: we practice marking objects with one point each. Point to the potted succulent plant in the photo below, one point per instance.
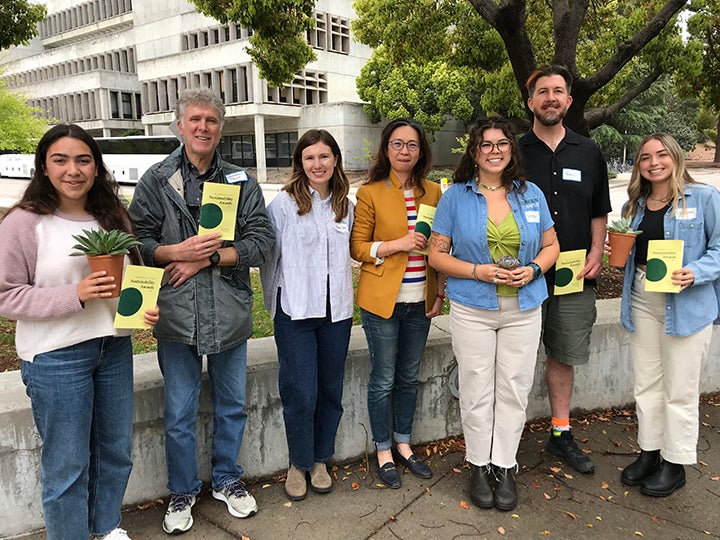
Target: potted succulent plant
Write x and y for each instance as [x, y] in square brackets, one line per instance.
[105, 251]
[621, 237]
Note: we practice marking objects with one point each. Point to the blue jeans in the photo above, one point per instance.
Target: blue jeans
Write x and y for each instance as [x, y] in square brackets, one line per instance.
[181, 367]
[396, 347]
[312, 354]
[82, 403]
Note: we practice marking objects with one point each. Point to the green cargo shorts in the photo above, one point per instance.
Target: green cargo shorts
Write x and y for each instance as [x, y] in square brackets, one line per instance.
[567, 322]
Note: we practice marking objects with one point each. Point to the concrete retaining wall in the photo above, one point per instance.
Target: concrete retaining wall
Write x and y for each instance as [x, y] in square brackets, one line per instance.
[605, 382]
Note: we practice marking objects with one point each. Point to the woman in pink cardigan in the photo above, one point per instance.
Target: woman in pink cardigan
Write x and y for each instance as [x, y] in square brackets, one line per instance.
[76, 367]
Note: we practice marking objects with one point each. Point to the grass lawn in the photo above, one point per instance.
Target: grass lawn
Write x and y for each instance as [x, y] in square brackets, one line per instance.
[142, 339]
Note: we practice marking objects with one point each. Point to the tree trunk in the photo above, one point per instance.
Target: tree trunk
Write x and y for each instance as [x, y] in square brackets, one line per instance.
[717, 142]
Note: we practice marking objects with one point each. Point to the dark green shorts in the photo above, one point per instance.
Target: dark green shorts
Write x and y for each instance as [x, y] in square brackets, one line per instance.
[567, 322]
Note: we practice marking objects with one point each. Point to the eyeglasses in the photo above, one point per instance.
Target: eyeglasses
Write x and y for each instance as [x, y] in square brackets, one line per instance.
[486, 147]
[397, 145]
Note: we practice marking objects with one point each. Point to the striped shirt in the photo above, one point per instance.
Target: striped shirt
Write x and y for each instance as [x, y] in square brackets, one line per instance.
[412, 288]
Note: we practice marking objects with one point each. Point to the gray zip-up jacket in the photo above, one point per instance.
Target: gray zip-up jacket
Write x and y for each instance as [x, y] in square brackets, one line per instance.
[213, 309]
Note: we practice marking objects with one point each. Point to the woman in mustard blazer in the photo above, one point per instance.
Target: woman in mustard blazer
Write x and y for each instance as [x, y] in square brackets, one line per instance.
[398, 292]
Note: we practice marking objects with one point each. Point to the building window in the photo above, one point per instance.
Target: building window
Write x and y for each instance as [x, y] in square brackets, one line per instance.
[238, 149]
[339, 34]
[114, 105]
[308, 88]
[127, 105]
[316, 36]
[279, 148]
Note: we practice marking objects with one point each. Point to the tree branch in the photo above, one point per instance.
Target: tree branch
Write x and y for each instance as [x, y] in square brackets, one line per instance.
[629, 49]
[600, 115]
[567, 21]
[509, 19]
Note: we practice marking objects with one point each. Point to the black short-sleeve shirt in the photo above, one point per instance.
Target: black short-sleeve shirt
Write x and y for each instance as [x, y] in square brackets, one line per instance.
[574, 179]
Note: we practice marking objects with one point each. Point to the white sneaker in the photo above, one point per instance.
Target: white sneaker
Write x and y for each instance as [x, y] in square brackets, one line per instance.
[178, 518]
[239, 502]
[115, 534]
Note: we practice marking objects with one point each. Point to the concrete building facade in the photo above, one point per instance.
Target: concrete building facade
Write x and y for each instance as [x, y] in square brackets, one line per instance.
[118, 66]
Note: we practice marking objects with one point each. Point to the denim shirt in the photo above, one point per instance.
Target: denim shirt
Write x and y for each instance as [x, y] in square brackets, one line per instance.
[694, 308]
[462, 215]
[309, 249]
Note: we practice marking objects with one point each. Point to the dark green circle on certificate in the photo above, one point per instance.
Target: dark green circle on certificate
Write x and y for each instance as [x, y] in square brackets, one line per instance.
[129, 302]
[423, 228]
[563, 277]
[656, 270]
[210, 216]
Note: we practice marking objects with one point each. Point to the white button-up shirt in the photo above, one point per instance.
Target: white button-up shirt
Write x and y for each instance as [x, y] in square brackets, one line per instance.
[309, 250]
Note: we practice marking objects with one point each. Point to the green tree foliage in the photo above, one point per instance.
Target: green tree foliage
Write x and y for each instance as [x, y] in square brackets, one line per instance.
[426, 63]
[278, 45]
[18, 22]
[656, 109]
[704, 29]
[19, 127]
[497, 44]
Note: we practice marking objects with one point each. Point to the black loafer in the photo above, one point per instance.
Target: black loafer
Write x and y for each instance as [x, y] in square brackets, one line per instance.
[389, 475]
[414, 465]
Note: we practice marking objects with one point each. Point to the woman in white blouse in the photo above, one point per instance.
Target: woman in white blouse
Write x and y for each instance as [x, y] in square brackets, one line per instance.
[307, 286]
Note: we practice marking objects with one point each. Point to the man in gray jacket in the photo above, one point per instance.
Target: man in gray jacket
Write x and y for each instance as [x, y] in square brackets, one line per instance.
[205, 303]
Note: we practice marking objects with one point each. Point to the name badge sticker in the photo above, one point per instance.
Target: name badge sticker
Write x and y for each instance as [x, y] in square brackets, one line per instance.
[687, 213]
[341, 227]
[532, 216]
[236, 177]
[572, 175]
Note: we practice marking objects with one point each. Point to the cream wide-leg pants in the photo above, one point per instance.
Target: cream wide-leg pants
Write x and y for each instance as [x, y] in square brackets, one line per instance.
[496, 353]
[667, 378]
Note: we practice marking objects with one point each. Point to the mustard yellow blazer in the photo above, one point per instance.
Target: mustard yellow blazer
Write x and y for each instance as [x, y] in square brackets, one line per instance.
[380, 215]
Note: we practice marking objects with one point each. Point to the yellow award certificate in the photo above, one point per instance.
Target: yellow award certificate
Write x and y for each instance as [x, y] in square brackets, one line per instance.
[424, 221]
[663, 258]
[140, 288]
[219, 209]
[567, 267]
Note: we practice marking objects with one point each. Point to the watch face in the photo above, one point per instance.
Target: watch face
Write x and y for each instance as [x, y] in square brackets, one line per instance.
[214, 259]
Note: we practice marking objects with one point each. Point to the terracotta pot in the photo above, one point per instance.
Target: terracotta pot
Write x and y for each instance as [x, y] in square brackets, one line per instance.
[113, 265]
[620, 246]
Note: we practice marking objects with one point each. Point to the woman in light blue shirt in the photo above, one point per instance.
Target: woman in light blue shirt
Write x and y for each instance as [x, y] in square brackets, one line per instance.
[670, 331]
[492, 213]
[307, 286]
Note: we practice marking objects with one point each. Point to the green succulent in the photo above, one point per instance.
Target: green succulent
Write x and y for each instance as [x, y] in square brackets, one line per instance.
[98, 242]
[622, 226]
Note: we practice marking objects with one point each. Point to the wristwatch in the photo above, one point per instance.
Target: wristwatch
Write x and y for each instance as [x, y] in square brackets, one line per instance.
[537, 271]
[214, 259]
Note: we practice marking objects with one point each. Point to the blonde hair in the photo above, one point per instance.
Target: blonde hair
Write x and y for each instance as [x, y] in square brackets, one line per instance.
[639, 187]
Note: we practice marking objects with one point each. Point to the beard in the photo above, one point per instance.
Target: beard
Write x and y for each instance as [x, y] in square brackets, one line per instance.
[550, 118]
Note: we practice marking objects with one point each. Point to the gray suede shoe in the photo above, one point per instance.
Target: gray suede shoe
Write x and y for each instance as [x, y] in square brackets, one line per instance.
[295, 484]
[320, 480]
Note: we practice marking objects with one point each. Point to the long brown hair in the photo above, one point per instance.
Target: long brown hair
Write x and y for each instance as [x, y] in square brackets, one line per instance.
[640, 187]
[103, 201]
[467, 168]
[380, 167]
[298, 187]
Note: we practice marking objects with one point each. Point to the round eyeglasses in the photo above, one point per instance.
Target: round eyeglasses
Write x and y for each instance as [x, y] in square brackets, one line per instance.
[502, 145]
[397, 145]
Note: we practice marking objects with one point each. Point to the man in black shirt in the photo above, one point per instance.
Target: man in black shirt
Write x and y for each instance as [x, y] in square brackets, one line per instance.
[571, 171]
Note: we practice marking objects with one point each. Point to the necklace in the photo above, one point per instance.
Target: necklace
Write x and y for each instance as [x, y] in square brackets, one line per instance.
[661, 199]
[489, 188]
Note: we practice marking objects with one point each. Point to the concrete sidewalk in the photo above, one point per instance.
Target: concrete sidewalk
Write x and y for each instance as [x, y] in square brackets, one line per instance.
[554, 500]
